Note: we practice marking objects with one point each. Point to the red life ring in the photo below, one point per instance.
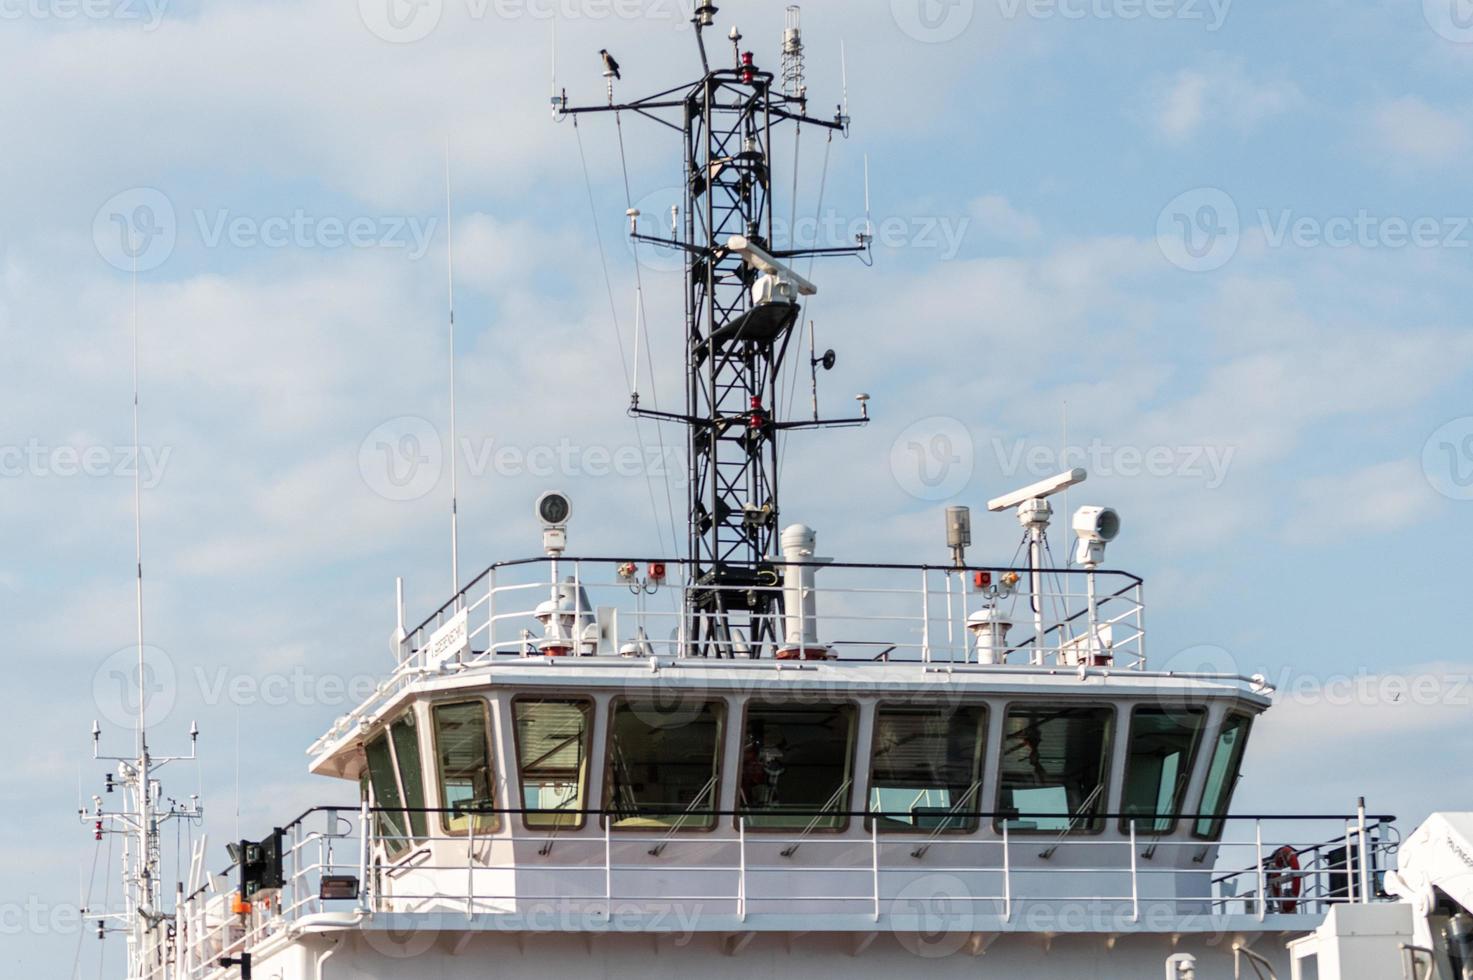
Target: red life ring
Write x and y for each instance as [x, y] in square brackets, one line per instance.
[1283, 882]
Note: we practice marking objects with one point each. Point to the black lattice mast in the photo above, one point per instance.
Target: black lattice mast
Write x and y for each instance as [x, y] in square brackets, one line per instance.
[741, 306]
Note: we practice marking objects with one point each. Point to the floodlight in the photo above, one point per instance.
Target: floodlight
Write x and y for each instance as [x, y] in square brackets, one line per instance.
[1096, 527]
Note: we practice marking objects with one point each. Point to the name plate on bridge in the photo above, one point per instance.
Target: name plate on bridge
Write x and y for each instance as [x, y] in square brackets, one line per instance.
[449, 641]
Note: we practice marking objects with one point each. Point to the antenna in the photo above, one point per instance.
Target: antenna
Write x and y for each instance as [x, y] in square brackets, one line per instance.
[742, 315]
[143, 916]
[454, 444]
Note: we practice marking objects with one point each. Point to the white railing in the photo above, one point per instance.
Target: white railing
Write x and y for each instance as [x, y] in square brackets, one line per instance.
[608, 610]
[990, 878]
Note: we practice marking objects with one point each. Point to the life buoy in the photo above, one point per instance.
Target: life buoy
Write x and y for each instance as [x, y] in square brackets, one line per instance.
[1284, 883]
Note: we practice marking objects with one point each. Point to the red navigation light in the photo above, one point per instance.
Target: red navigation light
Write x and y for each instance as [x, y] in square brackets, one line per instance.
[657, 571]
[749, 67]
[982, 580]
[97, 835]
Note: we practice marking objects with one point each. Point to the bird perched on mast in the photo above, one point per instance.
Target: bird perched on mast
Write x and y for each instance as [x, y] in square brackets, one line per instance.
[611, 67]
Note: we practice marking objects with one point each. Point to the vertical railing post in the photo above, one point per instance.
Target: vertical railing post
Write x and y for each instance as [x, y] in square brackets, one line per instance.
[364, 853]
[1262, 875]
[1365, 865]
[470, 867]
[1007, 876]
[925, 617]
[491, 614]
[742, 865]
[1135, 879]
[608, 867]
[874, 838]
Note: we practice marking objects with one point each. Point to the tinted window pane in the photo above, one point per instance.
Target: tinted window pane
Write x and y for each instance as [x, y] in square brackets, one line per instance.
[411, 773]
[663, 764]
[796, 766]
[1054, 767]
[552, 751]
[1222, 774]
[391, 827]
[927, 767]
[463, 749]
[1163, 743]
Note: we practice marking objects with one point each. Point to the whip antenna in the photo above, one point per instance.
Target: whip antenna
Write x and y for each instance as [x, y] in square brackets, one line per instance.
[454, 450]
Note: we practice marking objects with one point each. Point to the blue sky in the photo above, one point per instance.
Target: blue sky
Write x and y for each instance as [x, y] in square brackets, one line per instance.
[1233, 239]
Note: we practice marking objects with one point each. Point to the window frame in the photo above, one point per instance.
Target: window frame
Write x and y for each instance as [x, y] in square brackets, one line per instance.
[396, 849]
[472, 818]
[1218, 822]
[851, 761]
[587, 776]
[707, 824]
[983, 751]
[1189, 768]
[1112, 734]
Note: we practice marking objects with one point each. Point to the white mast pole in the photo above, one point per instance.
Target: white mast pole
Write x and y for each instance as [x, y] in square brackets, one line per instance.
[141, 872]
[454, 445]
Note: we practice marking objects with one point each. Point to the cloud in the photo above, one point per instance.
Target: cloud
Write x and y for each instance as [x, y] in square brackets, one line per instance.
[1001, 220]
[1219, 95]
[1408, 133]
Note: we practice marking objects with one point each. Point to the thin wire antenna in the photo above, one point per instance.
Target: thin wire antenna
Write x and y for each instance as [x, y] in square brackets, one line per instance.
[869, 225]
[844, 74]
[1064, 460]
[454, 443]
[138, 531]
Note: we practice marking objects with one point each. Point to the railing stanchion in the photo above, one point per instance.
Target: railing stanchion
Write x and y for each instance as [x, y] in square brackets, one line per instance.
[491, 614]
[1135, 879]
[365, 846]
[1007, 876]
[925, 617]
[608, 866]
[1365, 867]
[1262, 875]
[470, 867]
[874, 838]
[742, 863]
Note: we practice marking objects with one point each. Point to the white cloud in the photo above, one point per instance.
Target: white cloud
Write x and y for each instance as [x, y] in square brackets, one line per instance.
[1218, 95]
[1000, 219]
[1407, 132]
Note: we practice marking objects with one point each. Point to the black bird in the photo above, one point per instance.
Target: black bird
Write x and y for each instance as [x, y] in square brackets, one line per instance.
[611, 67]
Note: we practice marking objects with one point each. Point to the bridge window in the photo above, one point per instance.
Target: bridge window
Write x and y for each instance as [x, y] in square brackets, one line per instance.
[396, 776]
[552, 757]
[1222, 775]
[467, 785]
[663, 764]
[927, 767]
[1163, 745]
[1055, 763]
[797, 766]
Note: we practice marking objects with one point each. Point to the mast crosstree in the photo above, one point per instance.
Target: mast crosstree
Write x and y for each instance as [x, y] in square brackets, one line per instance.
[742, 305]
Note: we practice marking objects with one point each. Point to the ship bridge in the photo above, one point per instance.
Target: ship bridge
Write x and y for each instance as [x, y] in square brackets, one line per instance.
[556, 753]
